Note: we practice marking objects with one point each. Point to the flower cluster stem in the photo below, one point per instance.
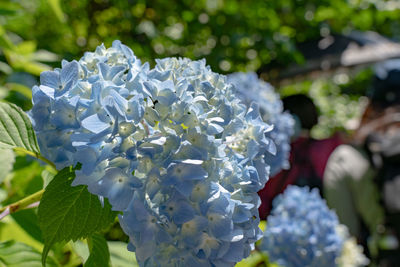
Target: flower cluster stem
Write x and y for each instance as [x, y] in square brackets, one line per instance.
[30, 201]
[36, 155]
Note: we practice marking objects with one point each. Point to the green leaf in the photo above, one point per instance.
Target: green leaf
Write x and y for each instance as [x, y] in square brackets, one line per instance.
[120, 256]
[56, 7]
[25, 48]
[263, 225]
[7, 159]
[5, 42]
[3, 91]
[15, 254]
[47, 176]
[99, 253]
[81, 249]
[11, 230]
[32, 67]
[4, 67]
[256, 258]
[28, 220]
[7, 9]
[16, 128]
[24, 62]
[20, 88]
[25, 180]
[68, 213]
[44, 55]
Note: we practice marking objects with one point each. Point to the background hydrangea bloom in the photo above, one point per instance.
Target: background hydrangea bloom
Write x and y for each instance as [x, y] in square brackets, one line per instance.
[301, 230]
[171, 147]
[352, 254]
[252, 89]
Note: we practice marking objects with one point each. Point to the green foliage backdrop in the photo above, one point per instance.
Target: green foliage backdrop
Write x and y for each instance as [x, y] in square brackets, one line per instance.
[233, 35]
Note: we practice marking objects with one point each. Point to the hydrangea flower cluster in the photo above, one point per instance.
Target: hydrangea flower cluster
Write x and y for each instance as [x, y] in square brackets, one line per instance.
[172, 148]
[252, 89]
[301, 230]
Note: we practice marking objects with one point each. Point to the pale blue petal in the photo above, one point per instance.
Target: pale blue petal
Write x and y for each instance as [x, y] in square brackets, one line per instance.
[69, 73]
[50, 79]
[94, 124]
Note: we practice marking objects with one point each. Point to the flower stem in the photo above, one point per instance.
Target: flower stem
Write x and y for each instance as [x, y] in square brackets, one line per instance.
[36, 155]
[30, 201]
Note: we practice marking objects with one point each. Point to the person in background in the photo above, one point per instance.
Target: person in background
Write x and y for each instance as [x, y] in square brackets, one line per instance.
[308, 156]
[362, 179]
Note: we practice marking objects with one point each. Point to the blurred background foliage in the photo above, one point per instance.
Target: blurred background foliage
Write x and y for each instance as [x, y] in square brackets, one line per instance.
[233, 35]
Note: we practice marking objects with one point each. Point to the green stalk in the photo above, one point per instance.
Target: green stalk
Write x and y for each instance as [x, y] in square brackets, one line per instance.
[21, 204]
[31, 200]
[36, 155]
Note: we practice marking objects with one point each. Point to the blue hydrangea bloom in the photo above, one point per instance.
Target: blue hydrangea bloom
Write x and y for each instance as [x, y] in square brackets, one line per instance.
[301, 230]
[251, 89]
[172, 148]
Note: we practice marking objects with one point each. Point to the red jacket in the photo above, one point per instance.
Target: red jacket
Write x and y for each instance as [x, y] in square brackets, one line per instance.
[307, 156]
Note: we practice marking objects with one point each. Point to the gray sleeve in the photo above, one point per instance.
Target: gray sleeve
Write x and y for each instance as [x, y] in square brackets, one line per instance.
[350, 190]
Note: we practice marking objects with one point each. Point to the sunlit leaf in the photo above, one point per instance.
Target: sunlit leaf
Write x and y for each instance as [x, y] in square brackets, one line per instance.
[69, 213]
[253, 260]
[3, 92]
[56, 7]
[120, 256]
[47, 177]
[4, 67]
[25, 62]
[99, 253]
[9, 8]
[7, 159]
[11, 230]
[25, 179]
[5, 42]
[16, 128]
[15, 254]
[44, 55]
[20, 88]
[28, 220]
[81, 249]
[25, 48]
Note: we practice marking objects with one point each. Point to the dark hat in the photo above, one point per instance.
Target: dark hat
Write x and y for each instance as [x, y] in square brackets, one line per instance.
[303, 107]
[386, 85]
